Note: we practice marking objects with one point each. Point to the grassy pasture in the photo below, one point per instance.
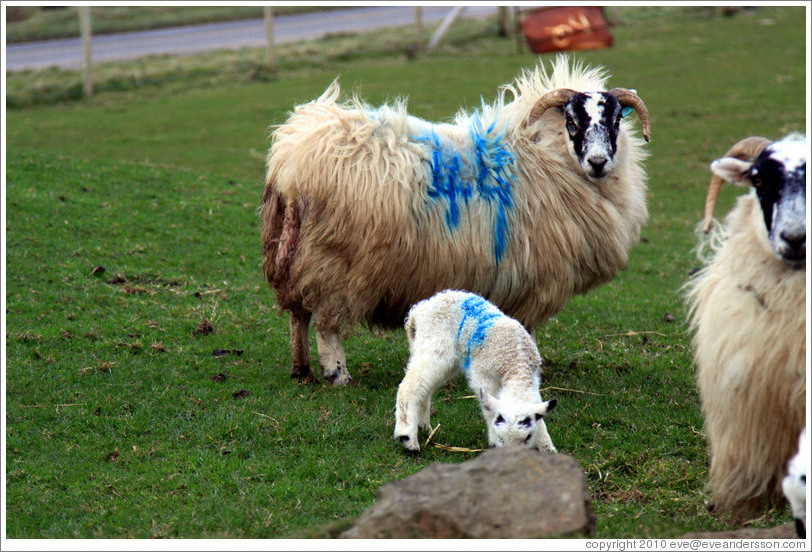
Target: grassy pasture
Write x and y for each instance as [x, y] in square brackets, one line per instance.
[146, 362]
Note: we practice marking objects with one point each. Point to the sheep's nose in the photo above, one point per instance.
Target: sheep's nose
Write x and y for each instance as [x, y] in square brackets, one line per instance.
[795, 243]
[597, 164]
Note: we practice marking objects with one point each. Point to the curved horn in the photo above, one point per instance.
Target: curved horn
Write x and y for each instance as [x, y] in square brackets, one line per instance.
[631, 99]
[746, 150]
[553, 98]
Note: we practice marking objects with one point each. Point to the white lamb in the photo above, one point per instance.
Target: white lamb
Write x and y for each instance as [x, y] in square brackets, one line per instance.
[455, 331]
[794, 484]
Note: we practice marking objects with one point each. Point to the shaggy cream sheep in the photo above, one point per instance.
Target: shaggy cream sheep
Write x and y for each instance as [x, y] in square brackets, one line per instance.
[527, 201]
[748, 317]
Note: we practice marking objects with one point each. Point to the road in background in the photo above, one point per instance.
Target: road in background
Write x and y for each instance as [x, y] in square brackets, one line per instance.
[67, 53]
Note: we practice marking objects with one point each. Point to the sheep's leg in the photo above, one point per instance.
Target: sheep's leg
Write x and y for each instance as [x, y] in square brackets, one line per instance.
[331, 357]
[543, 442]
[300, 346]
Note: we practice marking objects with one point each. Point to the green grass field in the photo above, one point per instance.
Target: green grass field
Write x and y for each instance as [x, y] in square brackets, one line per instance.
[147, 388]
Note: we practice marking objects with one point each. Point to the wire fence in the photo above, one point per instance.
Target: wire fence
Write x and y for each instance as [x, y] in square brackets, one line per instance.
[53, 85]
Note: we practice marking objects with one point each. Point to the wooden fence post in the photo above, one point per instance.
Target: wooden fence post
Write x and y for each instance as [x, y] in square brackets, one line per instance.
[418, 21]
[269, 37]
[504, 29]
[85, 29]
[517, 23]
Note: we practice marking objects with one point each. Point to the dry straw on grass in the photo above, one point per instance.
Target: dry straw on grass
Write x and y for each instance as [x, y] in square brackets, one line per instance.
[456, 449]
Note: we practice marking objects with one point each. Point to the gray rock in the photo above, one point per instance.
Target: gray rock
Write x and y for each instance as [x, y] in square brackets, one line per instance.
[785, 531]
[503, 493]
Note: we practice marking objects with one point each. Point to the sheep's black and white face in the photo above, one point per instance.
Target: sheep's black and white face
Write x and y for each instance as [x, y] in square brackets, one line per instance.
[778, 175]
[593, 125]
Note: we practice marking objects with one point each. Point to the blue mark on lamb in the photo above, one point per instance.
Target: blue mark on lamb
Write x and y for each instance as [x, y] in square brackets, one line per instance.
[483, 170]
[482, 315]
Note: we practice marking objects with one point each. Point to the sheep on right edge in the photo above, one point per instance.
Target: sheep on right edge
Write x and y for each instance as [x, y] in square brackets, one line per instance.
[456, 331]
[748, 317]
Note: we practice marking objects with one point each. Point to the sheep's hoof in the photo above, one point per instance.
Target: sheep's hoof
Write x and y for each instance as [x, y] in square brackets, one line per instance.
[337, 377]
[303, 374]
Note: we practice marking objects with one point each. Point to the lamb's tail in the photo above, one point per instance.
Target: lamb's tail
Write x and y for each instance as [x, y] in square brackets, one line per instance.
[410, 327]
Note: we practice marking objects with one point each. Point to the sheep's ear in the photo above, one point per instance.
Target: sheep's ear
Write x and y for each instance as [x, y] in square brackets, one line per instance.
[732, 170]
[545, 408]
[489, 403]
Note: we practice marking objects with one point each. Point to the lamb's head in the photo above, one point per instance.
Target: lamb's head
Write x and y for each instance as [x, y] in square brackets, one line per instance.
[593, 124]
[794, 484]
[777, 172]
[515, 423]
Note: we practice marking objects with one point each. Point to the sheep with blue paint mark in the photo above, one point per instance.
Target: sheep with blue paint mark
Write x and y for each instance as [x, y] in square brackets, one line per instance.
[527, 201]
[456, 331]
[748, 317]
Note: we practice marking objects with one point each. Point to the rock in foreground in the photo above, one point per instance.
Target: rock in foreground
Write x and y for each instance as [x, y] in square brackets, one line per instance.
[503, 493]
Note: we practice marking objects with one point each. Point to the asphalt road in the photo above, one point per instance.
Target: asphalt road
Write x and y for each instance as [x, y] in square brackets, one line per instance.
[219, 36]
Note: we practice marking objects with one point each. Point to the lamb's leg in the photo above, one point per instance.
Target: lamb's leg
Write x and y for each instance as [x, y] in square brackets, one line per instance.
[489, 417]
[424, 374]
[424, 422]
[410, 399]
[543, 441]
[331, 357]
[300, 346]
[478, 383]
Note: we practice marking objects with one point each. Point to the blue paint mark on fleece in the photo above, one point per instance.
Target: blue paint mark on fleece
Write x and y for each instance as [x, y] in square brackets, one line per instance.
[484, 171]
[482, 315]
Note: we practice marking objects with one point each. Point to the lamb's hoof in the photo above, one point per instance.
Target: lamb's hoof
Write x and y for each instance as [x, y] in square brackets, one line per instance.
[548, 450]
[409, 444]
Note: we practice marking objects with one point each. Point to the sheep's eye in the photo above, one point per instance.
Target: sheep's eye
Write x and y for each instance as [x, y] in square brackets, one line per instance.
[757, 182]
[526, 422]
[499, 420]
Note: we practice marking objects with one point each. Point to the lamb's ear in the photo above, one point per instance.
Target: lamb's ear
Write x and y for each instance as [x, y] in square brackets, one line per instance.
[732, 170]
[545, 408]
[488, 402]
